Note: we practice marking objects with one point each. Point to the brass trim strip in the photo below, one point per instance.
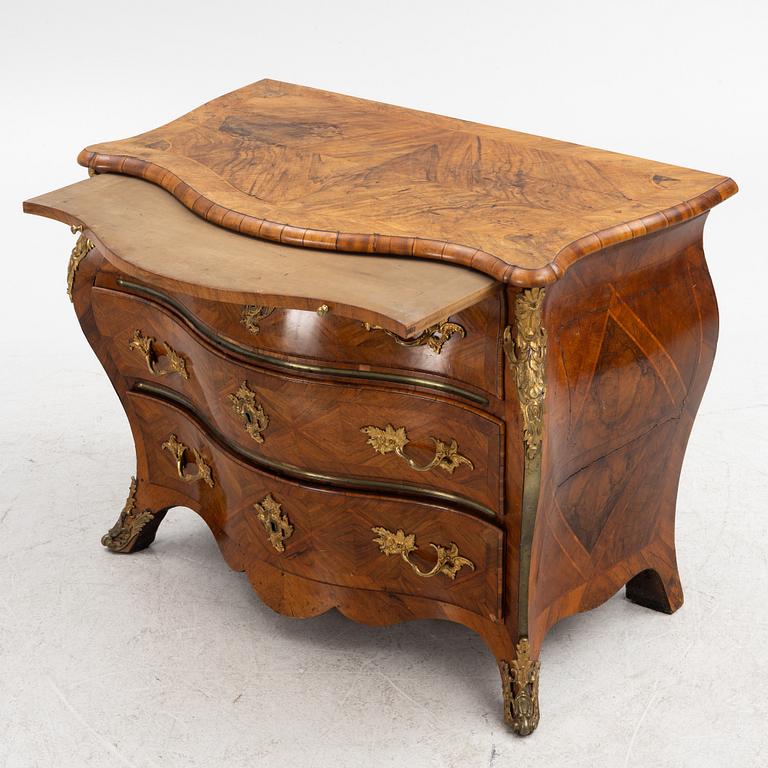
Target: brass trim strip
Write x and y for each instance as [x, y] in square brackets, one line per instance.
[262, 357]
[527, 355]
[292, 471]
[531, 488]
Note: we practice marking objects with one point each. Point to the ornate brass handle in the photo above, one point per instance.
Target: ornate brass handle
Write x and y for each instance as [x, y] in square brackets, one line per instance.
[449, 561]
[394, 439]
[276, 522]
[179, 452]
[434, 337]
[144, 345]
[245, 405]
[253, 314]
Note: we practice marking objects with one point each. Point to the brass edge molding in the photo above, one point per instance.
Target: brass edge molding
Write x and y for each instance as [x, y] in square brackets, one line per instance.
[391, 439]
[252, 314]
[261, 357]
[275, 521]
[435, 337]
[145, 346]
[520, 684]
[82, 248]
[148, 389]
[250, 411]
[179, 452]
[527, 355]
[123, 534]
[449, 561]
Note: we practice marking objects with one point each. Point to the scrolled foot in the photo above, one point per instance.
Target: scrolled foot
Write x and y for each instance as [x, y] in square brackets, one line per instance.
[135, 528]
[520, 681]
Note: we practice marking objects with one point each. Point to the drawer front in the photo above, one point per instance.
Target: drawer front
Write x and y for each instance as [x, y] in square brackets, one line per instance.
[345, 538]
[465, 349]
[400, 441]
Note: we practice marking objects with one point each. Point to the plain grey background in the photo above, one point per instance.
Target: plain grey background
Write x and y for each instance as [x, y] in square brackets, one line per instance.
[167, 658]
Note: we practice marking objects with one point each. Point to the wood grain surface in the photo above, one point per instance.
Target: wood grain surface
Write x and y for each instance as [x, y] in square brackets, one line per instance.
[307, 167]
[631, 344]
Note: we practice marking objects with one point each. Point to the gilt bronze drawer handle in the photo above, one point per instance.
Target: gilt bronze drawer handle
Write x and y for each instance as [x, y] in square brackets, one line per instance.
[245, 405]
[434, 337]
[276, 522]
[393, 440]
[253, 314]
[145, 346]
[179, 452]
[449, 561]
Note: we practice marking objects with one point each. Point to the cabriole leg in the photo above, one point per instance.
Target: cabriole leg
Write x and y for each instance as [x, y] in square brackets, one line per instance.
[135, 528]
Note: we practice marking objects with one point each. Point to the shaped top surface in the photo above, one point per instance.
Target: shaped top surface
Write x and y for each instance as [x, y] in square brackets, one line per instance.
[311, 168]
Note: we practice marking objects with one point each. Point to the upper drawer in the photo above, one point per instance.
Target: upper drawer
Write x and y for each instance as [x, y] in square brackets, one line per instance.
[465, 348]
[336, 432]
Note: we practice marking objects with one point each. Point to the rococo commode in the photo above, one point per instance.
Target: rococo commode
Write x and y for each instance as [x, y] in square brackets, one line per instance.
[402, 365]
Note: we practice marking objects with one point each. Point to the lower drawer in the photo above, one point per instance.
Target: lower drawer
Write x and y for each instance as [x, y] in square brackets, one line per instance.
[333, 536]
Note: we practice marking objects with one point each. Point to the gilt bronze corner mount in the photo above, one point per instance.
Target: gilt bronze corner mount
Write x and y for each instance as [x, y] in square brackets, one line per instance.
[82, 248]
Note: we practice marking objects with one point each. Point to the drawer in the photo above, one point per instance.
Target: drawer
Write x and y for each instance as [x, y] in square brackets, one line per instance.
[341, 537]
[465, 349]
[328, 431]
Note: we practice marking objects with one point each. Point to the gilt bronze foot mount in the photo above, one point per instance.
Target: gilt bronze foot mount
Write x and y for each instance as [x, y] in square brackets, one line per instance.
[520, 681]
[135, 528]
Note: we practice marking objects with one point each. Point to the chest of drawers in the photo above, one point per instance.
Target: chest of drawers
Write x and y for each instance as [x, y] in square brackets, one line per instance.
[479, 415]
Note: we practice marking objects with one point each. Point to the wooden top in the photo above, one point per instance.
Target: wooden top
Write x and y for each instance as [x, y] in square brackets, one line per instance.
[307, 167]
[149, 235]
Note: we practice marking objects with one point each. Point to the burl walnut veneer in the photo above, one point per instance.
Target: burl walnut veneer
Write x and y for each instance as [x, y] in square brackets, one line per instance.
[402, 365]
